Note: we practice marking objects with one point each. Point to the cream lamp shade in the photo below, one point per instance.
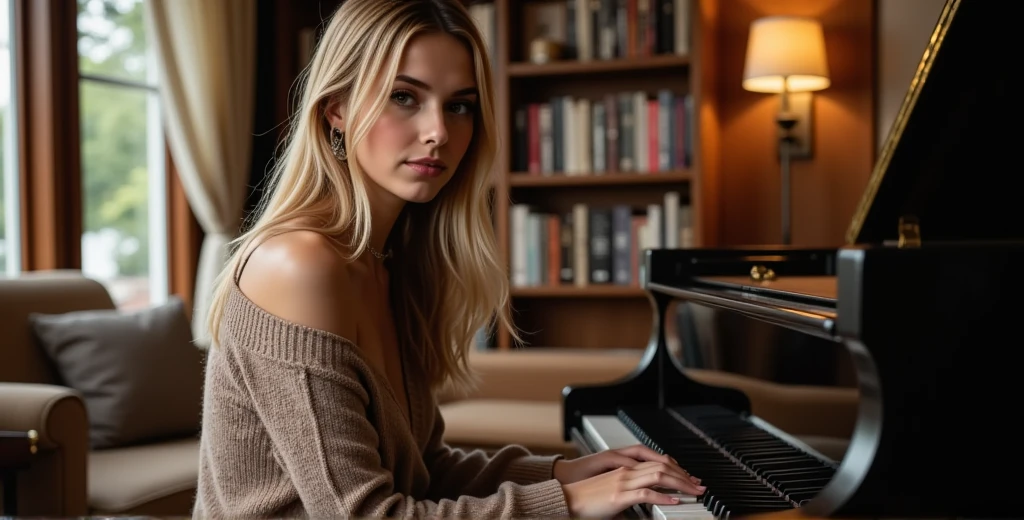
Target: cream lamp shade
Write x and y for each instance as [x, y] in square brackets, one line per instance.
[782, 47]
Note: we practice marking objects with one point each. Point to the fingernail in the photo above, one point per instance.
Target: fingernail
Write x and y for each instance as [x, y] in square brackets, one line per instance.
[675, 499]
[702, 488]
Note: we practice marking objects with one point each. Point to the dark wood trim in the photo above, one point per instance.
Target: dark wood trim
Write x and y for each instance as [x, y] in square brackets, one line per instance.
[571, 291]
[46, 58]
[573, 67]
[528, 180]
[184, 237]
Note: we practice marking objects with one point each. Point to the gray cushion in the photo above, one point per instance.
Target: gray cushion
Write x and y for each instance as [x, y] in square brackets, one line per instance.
[138, 371]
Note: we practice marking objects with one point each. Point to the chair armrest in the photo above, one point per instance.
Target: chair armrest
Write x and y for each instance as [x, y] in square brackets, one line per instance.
[56, 413]
[55, 484]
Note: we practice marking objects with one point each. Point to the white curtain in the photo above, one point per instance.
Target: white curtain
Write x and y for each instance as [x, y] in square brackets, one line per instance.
[206, 57]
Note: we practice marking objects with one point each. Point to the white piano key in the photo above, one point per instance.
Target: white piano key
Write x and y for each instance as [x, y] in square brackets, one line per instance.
[684, 498]
[681, 512]
[608, 432]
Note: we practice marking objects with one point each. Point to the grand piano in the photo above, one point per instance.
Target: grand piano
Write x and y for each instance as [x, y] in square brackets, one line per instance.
[925, 296]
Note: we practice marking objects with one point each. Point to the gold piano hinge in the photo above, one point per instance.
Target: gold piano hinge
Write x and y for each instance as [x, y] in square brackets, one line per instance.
[760, 273]
[910, 232]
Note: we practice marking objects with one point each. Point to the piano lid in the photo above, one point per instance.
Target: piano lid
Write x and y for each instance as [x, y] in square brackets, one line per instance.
[956, 145]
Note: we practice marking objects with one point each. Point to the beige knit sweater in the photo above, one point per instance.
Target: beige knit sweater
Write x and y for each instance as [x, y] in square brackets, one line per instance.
[295, 423]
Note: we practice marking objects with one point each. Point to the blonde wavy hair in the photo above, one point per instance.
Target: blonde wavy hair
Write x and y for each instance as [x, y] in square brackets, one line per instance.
[458, 283]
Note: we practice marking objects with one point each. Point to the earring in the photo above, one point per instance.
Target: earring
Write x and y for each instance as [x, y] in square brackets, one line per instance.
[338, 144]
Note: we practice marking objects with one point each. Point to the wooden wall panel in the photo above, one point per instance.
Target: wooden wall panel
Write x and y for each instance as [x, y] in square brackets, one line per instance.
[826, 187]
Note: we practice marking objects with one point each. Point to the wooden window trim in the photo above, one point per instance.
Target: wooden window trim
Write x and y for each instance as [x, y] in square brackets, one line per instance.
[45, 35]
[185, 238]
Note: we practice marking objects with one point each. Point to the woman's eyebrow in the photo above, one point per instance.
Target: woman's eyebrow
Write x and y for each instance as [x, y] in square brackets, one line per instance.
[420, 84]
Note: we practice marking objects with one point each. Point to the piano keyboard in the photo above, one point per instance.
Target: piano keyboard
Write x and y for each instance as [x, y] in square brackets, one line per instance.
[746, 469]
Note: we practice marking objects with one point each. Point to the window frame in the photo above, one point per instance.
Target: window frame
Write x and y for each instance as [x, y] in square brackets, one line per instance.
[45, 36]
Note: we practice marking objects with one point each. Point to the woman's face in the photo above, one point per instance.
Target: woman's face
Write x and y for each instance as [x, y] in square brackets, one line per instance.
[417, 143]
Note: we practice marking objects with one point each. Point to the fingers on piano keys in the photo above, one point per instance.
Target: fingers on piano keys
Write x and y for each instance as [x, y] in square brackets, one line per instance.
[747, 470]
[690, 507]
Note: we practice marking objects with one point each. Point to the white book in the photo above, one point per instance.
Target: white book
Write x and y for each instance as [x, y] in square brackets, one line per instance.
[682, 26]
[671, 209]
[520, 274]
[655, 226]
[640, 131]
[581, 244]
[584, 40]
[584, 148]
[570, 163]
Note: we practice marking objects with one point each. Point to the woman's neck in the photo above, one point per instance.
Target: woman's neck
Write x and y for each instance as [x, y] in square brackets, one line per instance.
[385, 208]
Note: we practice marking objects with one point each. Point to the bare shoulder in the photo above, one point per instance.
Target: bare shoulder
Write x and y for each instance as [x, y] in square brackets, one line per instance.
[302, 277]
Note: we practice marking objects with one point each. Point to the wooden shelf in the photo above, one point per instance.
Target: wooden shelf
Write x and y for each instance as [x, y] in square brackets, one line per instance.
[597, 315]
[571, 291]
[527, 180]
[574, 67]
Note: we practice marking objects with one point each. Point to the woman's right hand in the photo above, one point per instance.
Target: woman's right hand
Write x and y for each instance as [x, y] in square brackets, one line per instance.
[610, 493]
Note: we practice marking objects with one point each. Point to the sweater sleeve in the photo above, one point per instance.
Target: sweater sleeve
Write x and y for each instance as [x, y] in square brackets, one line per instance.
[454, 471]
[325, 443]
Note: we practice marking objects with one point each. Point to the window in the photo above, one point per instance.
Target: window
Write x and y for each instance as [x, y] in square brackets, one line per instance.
[124, 189]
[10, 240]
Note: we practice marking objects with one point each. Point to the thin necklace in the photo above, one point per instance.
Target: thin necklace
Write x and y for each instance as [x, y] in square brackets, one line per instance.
[378, 254]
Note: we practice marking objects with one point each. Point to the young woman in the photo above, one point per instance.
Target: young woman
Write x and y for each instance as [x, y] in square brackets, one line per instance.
[356, 293]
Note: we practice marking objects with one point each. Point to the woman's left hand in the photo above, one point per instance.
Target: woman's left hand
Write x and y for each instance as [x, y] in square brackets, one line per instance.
[568, 471]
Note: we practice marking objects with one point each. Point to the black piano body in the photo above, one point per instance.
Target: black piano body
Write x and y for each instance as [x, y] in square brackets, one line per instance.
[925, 297]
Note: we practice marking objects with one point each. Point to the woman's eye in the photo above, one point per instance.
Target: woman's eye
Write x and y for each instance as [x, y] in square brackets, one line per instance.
[402, 98]
[463, 108]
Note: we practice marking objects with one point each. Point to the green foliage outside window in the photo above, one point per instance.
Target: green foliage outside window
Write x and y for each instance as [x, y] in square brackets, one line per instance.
[112, 44]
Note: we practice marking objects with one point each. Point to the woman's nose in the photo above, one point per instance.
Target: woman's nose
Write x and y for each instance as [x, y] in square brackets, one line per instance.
[435, 129]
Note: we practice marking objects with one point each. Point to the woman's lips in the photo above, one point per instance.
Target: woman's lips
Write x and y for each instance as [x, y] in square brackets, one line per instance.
[425, 169]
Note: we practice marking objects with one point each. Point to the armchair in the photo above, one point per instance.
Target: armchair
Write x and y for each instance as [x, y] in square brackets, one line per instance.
[67, 478]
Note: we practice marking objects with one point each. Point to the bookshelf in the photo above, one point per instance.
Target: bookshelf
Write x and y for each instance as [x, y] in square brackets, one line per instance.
[550, 163]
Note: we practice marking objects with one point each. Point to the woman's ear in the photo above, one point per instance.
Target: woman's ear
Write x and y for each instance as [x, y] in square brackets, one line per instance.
[336, 114]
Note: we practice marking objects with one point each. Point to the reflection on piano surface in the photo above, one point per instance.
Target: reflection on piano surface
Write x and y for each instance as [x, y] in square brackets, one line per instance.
[924, 297]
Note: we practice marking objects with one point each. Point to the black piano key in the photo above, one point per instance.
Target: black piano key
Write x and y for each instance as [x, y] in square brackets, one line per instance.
[770, 501]
[791, 475]
[727, 481]
[760, 454]
[803, 483]
[734, 493]
[802, 491]
[801, 496]
[745, 469]
[723, 509]
[731, 512]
